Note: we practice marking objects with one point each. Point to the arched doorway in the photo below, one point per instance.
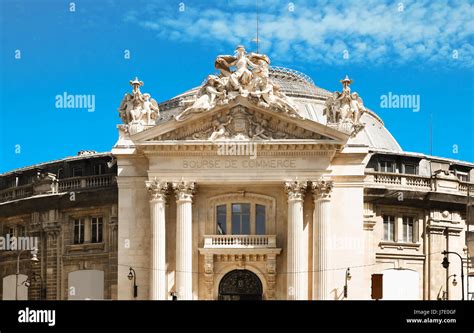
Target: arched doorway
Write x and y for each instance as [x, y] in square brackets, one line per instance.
[240, 285]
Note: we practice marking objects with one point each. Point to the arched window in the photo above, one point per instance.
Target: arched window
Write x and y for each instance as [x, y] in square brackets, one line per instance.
[238, 214]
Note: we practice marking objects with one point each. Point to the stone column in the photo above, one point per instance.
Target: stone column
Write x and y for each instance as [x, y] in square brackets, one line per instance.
[184, 239]
[297, 262]
[321, 193]
[158, 286]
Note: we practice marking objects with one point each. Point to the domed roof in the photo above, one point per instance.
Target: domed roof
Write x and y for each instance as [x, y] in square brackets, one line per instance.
[310, 100]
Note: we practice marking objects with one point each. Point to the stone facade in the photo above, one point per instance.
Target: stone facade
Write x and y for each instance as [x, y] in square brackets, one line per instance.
[247, 188]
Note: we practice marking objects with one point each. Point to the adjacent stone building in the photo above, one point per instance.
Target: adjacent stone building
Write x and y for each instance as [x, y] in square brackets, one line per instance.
[70, 206]
[256, 185]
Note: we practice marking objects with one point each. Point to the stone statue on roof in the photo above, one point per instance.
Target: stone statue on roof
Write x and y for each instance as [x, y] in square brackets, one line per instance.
[138, 111]
[343, 110]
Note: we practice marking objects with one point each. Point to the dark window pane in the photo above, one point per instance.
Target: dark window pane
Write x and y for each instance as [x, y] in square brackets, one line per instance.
[21, 231]
[410, 169]
[410, 232]
[245, 224]
[221, 220]
[94, 230]
[462, 176]
[99, 169]
[235, 224]
[260, 220]
[99, 232]
[405, 231]
[77, 172]
[78, 231]
[387, 166]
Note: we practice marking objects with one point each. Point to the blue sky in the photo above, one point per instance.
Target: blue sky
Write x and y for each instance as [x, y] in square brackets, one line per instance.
[421, 48]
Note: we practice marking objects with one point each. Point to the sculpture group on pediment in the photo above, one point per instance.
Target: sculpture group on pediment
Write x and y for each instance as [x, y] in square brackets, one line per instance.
[138, 110]
[239, 124]
[243, 74]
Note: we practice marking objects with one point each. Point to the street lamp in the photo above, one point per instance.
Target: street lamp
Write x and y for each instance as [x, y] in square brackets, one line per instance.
[455, 283]
[348, 277]
[133, 275]
[33, 258]
[445, 264]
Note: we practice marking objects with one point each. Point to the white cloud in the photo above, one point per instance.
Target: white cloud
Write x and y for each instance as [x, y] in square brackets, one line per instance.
[424, 32]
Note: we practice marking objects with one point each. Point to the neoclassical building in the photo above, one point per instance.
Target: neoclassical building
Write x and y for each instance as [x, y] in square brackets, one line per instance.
[255, 185]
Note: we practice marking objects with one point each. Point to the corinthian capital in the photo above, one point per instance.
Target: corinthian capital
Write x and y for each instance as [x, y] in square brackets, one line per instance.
[321, 189]
[157, 189]
[296, 189]
[184, 190]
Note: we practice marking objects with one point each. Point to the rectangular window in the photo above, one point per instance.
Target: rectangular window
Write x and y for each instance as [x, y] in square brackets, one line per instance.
[389, 228]
[260, 220]
[409, 169]
[387, 166]
[21, 231]
[79, 231]
[221, 219]
[97, 228]
[10, 231]
[99, 169]
[462, 176]
[77, 172]
[408, 229]
[14, 182]
[240, 219]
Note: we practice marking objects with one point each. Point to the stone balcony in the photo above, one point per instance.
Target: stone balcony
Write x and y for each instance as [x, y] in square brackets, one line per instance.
[442, 183]
[86, 182]
[239, 241]
[50, 185]
[240, 244]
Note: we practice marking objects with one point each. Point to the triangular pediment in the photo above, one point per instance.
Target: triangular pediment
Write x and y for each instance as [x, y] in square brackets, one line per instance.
[241, 121]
